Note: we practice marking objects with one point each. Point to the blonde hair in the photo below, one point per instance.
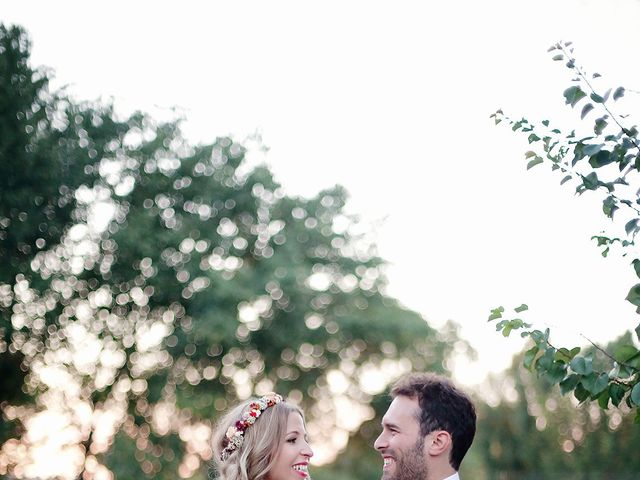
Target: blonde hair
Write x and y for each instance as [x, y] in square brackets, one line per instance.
[255, 457]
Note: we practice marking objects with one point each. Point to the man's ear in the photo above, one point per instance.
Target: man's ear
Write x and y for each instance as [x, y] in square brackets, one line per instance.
[438, 443]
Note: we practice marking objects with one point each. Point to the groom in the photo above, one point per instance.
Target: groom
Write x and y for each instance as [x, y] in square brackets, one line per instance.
[427, 429]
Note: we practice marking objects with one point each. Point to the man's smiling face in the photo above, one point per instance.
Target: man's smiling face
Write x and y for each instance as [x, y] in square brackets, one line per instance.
[400, 443]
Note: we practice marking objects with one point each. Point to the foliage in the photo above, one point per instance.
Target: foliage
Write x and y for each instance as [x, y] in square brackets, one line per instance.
[146, 283]
[607, 159]
[536, 432]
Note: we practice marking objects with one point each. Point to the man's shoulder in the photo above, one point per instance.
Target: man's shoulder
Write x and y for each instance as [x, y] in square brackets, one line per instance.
[453, 477]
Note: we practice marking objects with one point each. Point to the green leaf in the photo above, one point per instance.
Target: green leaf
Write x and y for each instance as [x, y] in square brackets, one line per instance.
[637, 330]
[501, 324]
[634, 295]
[517, 323]
[635, 394]
[596, 75]
[603, 400]
[522, 308]
[594, 383]
[496, 313]
[624, 353]
[618, 93]
[580, 393]
[600, 125]
[573, 95]
[602, 240]
[636, 266]
[533, 138]
[582, 365]
[616, 392]
[530, 154]
[602, 158]
[590, 182]
[634, 362]
[538, 337]
[565, 355]
[601, 384]
[529, 357]
[565, 179]
[609, 206]
[557, 372]
[558, 57]
[596, 98]
[585, 110]
[569, 383]
[578, 153]
[534, 162]
[546, 360]
[592, 149]
[624, 372]
[631, 226]
[545, 123]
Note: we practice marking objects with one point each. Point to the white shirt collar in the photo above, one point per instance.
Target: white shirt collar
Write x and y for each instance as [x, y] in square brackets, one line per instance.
[453, 477]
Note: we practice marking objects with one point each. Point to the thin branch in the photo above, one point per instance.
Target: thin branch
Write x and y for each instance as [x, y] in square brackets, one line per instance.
[600, 349]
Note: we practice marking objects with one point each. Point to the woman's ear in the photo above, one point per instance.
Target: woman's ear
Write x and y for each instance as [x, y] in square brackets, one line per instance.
[438, 443]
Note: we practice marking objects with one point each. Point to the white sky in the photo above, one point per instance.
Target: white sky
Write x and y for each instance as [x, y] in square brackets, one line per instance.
[391, 100]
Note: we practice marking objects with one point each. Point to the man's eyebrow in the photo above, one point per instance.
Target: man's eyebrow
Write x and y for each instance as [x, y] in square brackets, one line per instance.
[390, 425]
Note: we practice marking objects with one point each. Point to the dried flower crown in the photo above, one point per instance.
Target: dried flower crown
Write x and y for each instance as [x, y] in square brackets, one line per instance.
[234, 437]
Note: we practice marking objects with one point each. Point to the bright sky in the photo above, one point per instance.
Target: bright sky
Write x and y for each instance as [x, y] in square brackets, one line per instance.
[391, 100]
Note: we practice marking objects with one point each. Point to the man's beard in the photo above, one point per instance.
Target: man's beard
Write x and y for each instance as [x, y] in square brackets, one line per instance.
[410, 464]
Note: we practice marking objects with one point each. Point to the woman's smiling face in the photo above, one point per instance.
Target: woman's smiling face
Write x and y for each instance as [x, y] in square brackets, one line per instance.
[294, 452]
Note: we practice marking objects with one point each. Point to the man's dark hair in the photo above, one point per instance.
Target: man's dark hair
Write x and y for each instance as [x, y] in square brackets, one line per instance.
[442, 407]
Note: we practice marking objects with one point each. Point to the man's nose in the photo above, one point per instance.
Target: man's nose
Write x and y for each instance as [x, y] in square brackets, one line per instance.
[381, 442]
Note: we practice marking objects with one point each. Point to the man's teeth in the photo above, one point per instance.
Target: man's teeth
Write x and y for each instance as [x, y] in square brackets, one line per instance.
[301, 468]
[387, 462]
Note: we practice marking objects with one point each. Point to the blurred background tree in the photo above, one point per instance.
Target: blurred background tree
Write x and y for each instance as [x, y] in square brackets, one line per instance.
[147, 283]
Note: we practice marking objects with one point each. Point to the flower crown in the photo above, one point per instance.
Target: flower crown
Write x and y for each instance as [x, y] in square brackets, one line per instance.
[234, 437]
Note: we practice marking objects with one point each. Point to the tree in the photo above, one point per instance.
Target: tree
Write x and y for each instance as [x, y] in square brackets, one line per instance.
[606, 159]
[146, 283]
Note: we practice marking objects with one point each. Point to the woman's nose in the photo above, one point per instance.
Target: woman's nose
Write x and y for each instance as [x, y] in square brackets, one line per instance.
[306, 451]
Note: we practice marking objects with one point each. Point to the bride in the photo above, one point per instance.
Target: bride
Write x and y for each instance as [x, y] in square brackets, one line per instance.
[262, 439]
